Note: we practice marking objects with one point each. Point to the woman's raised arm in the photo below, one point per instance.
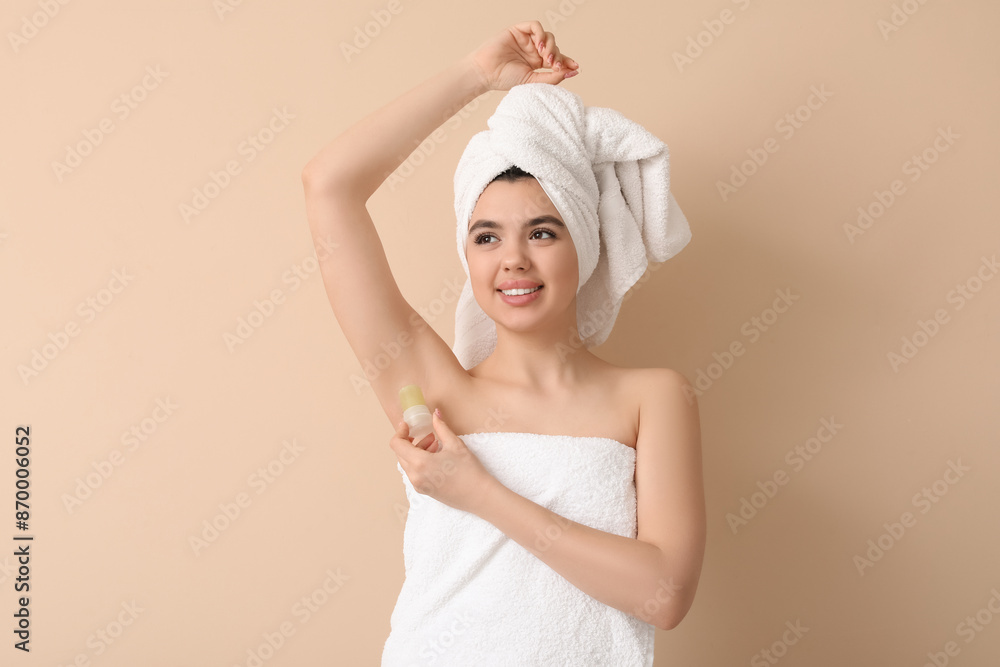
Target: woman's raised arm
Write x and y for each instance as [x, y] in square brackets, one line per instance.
[341, 178]
[362, 291]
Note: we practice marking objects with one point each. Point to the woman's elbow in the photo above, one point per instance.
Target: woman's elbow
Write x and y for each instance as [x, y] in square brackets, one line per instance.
[672, 603]
[669, 621]
[315, 176]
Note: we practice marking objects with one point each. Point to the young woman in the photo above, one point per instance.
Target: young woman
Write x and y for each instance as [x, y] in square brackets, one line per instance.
[528, 390]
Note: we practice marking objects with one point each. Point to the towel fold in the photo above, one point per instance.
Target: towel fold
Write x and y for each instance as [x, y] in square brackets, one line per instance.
[473, 596]
[608, 177]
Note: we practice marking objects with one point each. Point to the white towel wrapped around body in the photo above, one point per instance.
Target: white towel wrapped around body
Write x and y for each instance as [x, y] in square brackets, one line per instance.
[608, 177]
[473, 596]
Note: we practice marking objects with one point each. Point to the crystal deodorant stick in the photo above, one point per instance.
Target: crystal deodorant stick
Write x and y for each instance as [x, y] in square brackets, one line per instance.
[415, 412]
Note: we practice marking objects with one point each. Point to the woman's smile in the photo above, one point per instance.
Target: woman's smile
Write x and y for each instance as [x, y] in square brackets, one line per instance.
[519, 297]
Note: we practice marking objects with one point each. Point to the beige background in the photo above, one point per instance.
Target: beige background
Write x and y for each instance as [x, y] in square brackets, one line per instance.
[335, 505]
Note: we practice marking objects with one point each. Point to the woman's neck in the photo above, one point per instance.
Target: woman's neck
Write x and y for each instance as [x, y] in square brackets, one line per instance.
[549, 370]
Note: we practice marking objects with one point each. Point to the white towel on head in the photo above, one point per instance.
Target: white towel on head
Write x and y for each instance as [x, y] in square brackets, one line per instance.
[608, 177]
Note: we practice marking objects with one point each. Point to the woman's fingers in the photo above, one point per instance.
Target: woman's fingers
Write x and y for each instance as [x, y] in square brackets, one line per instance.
[552, 56]
[396, 442]
[548, 50]
[535, 30]
[537, 36]
[427, 442]
[543, 46]
[535, 49]
[403, 432]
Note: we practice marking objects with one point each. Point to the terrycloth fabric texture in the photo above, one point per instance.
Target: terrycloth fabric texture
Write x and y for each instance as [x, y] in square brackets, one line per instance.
[473, 596]
[608, 177]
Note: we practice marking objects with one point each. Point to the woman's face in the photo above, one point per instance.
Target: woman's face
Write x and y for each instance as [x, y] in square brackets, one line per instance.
[516, 233]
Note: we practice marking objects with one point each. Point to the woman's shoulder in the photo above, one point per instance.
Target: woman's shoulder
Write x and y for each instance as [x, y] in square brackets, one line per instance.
[649, 374]
[653, 385]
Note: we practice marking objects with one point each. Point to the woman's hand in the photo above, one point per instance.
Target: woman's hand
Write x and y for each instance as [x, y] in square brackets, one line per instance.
[510, 58]
[444, 469]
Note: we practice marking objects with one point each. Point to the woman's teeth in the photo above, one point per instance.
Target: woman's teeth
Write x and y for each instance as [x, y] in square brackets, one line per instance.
[517, 292]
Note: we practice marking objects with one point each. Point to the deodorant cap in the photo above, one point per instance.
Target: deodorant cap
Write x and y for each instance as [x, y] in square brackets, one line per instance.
[409, 396]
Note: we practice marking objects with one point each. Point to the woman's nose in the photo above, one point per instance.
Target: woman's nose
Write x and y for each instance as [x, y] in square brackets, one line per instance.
[515, 256]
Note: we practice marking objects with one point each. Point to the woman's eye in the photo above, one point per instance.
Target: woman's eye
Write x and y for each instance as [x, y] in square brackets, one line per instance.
[480, 239]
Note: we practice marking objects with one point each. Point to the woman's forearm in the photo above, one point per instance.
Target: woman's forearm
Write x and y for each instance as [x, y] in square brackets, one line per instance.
[363, 156]
[628, 574]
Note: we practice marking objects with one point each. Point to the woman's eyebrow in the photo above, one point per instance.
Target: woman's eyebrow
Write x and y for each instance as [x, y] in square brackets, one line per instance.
[540, 220]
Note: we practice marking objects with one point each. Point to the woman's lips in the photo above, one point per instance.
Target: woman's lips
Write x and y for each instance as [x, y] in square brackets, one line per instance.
[520, 299]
